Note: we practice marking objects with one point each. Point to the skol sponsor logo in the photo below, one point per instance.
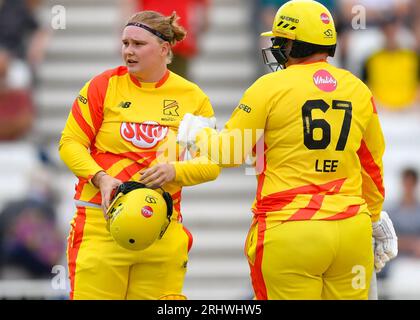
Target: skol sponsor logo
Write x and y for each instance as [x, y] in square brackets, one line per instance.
[325, 81]
[144, 135]
[147, 211]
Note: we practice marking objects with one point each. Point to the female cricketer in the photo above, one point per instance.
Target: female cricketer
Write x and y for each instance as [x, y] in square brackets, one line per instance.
[121, 123]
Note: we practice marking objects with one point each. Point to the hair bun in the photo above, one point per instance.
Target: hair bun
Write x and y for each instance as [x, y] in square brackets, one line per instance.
[173, 17]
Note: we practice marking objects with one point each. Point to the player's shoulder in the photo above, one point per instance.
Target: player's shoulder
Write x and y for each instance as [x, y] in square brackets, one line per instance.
[267, 80]
[181, 83]
[282, 77]
[117, 71]
[348, 77]
[104, 76]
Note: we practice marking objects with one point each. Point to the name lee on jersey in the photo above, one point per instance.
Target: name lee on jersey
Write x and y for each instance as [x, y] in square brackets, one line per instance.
[326, 165]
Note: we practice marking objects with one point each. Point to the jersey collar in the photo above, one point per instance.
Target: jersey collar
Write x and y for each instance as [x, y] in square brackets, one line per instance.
[150, 85]
[309, 62]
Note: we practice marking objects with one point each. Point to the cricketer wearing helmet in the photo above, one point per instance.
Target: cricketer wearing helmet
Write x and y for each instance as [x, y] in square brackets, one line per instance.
[319, 169]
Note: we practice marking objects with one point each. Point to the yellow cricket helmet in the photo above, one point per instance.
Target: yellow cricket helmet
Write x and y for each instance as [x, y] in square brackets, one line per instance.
[138, 216]
[304, 20]
[310, 26]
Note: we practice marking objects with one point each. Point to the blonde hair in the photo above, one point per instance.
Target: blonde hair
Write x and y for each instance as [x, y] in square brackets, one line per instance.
[167, 25]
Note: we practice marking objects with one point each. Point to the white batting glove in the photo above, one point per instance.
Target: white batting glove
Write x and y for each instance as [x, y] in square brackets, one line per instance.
[386, 241]
[190, 126]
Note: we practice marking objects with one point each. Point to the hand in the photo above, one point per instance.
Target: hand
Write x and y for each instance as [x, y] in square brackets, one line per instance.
[158, 175]
[106, 185]
[190, 126]
[386, 241]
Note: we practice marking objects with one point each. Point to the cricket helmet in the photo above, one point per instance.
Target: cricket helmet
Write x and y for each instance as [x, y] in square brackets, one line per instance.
[310, 26]
[138, 216]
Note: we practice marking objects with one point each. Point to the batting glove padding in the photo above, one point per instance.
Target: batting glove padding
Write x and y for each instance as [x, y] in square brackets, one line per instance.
[190, 126]
[386, 241]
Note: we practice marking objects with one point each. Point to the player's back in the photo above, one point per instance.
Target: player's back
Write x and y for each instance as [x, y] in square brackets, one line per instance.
[317, 115]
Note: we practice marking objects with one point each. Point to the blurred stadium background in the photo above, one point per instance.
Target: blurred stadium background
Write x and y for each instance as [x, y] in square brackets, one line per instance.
[32, 177]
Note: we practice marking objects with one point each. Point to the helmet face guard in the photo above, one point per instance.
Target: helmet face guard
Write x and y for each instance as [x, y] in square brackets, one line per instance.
[277, 52]
[126, 187]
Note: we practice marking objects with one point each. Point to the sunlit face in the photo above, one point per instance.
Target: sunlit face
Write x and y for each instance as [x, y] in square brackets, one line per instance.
[142, 51]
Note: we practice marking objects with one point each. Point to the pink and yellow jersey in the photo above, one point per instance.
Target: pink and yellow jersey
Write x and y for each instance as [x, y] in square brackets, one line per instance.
[322, 144]
[123, 126]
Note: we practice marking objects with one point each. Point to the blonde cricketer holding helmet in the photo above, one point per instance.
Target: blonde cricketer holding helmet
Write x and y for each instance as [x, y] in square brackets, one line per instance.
[320, 188]
[118, 127]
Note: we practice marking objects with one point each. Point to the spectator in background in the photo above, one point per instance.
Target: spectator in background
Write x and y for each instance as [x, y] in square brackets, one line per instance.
[406, 216]
[4, 67]
[30, 240]
[22, 38]
[393, 72]
[193, 18]
[415, 9]
[348, 11]
[22, 47]
[16, 108]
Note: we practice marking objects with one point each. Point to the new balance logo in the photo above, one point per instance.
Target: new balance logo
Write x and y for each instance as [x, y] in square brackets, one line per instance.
[170, 108]
[124, 104]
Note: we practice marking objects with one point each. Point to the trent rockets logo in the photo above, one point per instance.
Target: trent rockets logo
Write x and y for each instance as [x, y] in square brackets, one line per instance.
[144, 135]
[325, 81]
[170, 108]
[147, 211]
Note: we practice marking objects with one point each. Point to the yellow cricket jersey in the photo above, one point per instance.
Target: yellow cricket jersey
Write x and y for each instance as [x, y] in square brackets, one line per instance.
[122, 126]
[321, 140]
[393, 77]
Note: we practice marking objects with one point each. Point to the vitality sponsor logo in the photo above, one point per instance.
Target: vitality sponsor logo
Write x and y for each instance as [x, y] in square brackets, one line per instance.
[144, 135]
[324, 81]
[325, 18]
[147, 211]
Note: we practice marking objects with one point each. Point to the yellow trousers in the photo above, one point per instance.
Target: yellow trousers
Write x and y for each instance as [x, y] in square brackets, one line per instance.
[100, 269]
[311, 259]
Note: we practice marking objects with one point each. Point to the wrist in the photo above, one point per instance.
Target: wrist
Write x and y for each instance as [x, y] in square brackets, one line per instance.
[177, 167]
[97, 178]
[173, 171]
